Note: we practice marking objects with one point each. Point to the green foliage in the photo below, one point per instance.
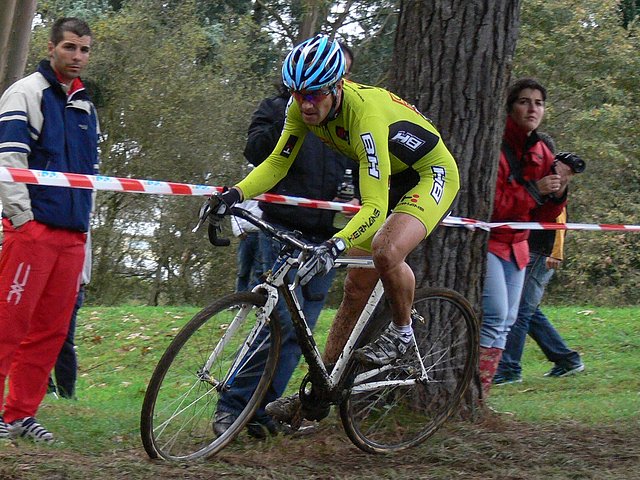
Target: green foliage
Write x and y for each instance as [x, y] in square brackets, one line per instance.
[89, 10]
[607, 339]
[629, 12]
[373, 51]
[589, 64]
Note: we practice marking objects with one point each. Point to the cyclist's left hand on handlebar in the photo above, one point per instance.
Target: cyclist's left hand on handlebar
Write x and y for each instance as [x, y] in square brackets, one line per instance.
[321, 260]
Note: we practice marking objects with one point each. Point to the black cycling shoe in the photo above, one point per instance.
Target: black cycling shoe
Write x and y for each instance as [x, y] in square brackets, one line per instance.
[256, 429]
[290, 410]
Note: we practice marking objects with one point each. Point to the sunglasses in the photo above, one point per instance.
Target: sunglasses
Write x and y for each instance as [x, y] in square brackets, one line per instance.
[313, 96]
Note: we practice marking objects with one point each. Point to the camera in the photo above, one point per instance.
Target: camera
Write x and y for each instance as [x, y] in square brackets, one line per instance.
[573, 161]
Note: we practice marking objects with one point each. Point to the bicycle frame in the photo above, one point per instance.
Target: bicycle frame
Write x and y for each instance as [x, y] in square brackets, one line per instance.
[329, 383]
[322, 378]
[276, 285]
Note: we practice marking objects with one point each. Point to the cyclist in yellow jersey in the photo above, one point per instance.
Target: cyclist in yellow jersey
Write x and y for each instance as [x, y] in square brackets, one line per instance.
[405, 170]
[386, 136]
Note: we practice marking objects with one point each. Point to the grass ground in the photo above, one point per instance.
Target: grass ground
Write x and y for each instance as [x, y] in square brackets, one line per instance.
[585, 426]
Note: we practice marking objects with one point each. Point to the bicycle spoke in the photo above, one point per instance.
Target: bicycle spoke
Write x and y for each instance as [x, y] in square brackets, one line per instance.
[181, 409]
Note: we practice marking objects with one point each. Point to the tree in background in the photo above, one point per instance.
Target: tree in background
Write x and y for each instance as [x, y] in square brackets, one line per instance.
[15, 32]
[452, 60]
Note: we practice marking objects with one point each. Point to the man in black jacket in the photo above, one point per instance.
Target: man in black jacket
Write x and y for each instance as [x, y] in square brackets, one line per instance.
[316, 174]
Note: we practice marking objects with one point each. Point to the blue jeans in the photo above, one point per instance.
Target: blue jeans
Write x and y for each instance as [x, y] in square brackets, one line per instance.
[66, 368]
[312, 300]
[500, 299]
[249, 262]
[531, 320]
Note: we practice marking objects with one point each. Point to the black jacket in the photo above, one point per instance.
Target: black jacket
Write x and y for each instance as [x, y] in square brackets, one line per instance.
[316, 172]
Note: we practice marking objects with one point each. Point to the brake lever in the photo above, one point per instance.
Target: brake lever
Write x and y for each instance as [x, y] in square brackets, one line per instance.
[214, 227]
[202, 214]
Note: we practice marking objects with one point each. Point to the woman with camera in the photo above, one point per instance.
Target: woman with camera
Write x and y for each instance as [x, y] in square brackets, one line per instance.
[530, 187]
[546, 255]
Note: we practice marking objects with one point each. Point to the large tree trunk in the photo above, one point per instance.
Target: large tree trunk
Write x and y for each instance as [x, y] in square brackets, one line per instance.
[452, 59]
[15, 32]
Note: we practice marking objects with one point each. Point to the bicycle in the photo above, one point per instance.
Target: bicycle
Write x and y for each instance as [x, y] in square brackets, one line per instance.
[382, 409]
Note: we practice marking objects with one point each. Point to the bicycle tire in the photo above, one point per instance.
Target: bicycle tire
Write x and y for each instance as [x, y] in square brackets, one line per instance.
[176, 420]
[393, 417]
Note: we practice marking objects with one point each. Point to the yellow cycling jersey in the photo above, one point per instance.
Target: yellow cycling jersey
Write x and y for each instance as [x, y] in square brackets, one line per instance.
[385, 135]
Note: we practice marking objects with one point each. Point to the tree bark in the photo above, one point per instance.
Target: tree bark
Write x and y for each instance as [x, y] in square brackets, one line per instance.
[15, 32]
[453, 60]
[6, 21]
[315, 12]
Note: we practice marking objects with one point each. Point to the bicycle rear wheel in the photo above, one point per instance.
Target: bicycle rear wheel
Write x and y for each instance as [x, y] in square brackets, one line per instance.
[197, 368]
[398, 406]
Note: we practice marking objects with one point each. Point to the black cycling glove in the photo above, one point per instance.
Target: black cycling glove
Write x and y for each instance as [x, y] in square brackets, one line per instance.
[218, 205]
[221, 203]
[321, 260]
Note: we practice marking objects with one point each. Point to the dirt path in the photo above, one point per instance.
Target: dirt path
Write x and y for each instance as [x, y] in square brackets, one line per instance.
[496, 448]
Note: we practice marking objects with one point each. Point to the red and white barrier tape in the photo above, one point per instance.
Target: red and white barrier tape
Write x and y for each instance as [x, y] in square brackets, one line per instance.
[116, 184]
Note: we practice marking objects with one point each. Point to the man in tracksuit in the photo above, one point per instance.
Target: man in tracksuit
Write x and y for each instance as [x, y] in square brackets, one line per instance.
[47, 122]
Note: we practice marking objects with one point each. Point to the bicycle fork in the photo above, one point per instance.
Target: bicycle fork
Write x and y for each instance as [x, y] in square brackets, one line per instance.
[245, 353]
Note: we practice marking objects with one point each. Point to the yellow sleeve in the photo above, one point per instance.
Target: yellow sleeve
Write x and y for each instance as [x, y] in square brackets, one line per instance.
[372, 149]
[266, 175]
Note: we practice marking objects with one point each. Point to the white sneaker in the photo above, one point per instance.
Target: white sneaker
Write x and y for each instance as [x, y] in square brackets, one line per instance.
[28, 428]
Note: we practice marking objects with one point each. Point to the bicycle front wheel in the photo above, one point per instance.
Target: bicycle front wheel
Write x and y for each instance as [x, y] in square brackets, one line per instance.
[401, 405]
[205, 364]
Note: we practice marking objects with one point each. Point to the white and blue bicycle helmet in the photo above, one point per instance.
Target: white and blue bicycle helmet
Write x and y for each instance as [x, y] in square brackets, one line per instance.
[314, 64]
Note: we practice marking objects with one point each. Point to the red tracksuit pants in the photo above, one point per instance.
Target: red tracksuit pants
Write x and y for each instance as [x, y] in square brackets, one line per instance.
[40, 271]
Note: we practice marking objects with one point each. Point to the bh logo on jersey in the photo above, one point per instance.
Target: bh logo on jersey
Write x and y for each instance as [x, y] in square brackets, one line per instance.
[438, 183]
[372, 157]
[408, 140]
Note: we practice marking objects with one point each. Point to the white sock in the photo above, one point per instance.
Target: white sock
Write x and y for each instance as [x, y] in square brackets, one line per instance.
[405, 332]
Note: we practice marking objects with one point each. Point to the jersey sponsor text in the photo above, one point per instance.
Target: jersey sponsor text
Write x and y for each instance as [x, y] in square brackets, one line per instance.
[370, 149]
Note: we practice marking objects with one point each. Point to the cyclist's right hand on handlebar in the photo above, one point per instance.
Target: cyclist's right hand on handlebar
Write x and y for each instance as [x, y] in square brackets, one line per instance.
[216, 206]
[213, 210]
[221, 203]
